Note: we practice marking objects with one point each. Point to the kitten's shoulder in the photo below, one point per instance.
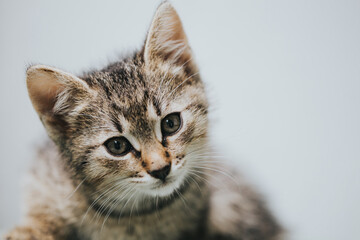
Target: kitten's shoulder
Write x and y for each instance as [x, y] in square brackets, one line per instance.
[236, 209]
[48, 185]
[47, 165]
[49, 210]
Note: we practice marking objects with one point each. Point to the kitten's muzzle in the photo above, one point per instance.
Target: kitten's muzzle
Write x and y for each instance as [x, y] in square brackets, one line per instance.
[161, 173]
[156, 160]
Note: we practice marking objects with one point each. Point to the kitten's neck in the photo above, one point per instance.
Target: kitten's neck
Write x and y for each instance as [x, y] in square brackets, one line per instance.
[186, 209]
[143, 205]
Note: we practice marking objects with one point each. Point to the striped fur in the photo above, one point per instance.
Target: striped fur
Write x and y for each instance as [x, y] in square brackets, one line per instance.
[78, 190]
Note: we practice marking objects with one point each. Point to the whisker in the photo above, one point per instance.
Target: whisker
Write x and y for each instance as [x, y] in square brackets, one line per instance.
[97, 199]
[135, 201]
[78, 186]
[116, 203]
[196, 174]
[112, 197]
[196, 183]
[122, 209]
[182, 199]
[218, 171]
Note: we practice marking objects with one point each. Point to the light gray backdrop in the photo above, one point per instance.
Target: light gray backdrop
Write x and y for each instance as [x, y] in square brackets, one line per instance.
[283, 76]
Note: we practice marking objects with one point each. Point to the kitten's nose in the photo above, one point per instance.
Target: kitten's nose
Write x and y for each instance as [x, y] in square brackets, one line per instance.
[161, 173]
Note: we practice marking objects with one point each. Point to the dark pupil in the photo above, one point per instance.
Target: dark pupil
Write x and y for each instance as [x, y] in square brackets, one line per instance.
[117, 145]
[170, 123]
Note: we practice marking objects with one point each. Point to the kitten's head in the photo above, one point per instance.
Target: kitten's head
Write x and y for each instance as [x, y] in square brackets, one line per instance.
[134, 125]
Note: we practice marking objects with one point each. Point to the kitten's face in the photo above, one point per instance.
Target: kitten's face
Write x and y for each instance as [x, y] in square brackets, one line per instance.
[141, 127]
[135, 126]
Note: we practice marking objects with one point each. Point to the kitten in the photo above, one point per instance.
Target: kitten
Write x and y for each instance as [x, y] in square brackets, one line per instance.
[129, 157]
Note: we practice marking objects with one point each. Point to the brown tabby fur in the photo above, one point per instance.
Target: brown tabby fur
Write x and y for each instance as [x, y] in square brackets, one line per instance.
[78, 190]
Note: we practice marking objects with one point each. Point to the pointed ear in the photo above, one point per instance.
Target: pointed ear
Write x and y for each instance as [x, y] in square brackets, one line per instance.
[166, 39]
[53, 94]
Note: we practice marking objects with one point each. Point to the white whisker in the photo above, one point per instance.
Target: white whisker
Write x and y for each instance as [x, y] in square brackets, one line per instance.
[78, 186]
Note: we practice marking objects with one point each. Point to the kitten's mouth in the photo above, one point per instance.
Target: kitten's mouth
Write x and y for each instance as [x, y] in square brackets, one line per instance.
[166, 187]
[162, 184]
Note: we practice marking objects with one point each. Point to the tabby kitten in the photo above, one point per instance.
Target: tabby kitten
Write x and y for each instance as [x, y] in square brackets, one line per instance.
[129, 157]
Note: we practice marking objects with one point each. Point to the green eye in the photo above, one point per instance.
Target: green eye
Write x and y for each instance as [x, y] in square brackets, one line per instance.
[171, 124]
[118, 146]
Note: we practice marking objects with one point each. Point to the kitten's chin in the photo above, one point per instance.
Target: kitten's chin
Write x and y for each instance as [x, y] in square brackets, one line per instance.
[165, 189]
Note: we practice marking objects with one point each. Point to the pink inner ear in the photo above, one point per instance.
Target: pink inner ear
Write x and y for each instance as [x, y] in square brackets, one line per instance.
[43, 87]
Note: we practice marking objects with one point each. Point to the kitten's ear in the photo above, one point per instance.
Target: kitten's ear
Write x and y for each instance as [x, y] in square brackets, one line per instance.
[53, 94]
[166, 39]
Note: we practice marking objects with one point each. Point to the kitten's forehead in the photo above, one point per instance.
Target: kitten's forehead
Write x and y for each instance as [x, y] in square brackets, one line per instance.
[124, 82]
[136, 97]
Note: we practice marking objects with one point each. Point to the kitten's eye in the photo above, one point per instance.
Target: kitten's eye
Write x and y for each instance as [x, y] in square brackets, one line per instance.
[171, 124]
[118, 146]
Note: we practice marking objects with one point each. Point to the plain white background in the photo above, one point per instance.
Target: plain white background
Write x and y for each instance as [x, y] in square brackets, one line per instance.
[283, 78]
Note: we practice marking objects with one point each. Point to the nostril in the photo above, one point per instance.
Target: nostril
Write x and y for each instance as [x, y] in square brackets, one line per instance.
[162, 173]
